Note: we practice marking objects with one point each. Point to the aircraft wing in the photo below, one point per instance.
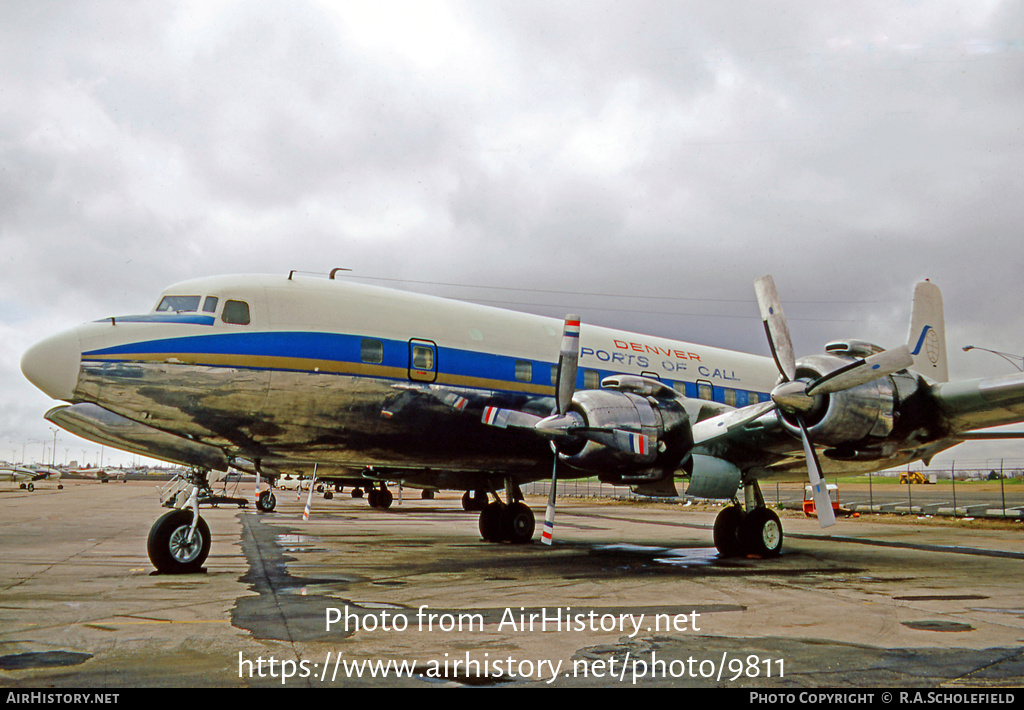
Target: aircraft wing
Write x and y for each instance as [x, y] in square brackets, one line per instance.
[102, 426]
[969, 405]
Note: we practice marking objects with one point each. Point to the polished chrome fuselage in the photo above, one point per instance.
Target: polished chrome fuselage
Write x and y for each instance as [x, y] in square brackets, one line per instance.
[295, 386]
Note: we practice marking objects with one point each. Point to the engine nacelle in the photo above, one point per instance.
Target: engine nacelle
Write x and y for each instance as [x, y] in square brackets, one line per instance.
[663, 420]
[862, 413]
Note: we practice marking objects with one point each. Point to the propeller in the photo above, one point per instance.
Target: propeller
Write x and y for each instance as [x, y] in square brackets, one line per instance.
[797, 397]
[565, 385]
[309, 500]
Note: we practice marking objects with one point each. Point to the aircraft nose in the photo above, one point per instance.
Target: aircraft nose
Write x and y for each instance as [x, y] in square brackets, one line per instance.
[52, 364]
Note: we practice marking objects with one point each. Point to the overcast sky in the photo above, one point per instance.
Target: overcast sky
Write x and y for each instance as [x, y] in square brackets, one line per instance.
[668, 150]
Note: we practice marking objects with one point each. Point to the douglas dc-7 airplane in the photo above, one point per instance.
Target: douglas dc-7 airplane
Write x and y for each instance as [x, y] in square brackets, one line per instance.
[274, 375]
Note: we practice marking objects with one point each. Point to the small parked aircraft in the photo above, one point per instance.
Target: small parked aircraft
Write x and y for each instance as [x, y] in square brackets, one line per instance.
[28, 476]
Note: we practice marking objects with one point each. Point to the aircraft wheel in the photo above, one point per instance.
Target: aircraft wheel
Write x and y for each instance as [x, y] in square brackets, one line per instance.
[761, 533]
[467, 501]
[490, 521]
[328, 495]
[31, 487]
[372, 498]
[427, 494]
[266, 502]
[517, 523]
[385, 498]
[727, 531]
[357, 492]
[60, 486]
[168, 548]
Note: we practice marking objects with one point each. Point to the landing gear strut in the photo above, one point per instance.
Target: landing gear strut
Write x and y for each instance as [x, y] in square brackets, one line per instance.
[756, 531]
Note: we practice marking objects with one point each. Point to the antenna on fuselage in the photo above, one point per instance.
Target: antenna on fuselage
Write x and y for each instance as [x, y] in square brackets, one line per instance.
[329, 276]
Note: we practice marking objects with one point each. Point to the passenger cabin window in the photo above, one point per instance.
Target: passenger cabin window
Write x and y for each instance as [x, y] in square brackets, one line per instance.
[524, 371]
[178, 304]
[705, 391]
[371, 351]
[210, 304]
[591, 379]
[235, 312]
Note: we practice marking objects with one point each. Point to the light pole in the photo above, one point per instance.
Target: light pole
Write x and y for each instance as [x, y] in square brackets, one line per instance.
[1015, 360]
[54, 462]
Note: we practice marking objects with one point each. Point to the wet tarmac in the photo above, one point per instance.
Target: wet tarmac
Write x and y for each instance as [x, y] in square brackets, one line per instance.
[629, 594]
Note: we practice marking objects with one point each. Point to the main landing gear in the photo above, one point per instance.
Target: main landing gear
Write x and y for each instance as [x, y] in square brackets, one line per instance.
[380, 497]
[474, 500]
[513, 522]
[755, 531]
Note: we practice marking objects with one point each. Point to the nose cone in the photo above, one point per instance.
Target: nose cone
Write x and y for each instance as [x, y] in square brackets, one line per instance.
[52, 364]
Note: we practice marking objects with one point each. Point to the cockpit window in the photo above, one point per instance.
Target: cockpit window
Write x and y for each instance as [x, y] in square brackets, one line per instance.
[178, 304]
[210, 304]
[236, 312]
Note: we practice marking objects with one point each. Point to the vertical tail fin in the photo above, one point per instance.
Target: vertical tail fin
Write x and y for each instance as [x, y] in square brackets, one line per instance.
[927, 339]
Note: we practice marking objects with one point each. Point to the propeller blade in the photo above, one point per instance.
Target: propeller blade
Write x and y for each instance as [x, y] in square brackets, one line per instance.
[866, 370]
[548, 533]
[708, 429]
[775, 326]
[568, 359]
[504, 418]
[309, 500]
[822, 502]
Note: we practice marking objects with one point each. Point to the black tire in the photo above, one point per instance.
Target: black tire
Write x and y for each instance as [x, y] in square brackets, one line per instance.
[490, 521]
[167, 549]
[266, 502]
[761, 533]
[517, 523]
[727, 531]
[480, 499]
[427, 494]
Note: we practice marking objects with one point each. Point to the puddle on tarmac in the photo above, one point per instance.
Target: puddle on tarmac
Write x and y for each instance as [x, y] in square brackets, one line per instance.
[42, 659]
[677, 557]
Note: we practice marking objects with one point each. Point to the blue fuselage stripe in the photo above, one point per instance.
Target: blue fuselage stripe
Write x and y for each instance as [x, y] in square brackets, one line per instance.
[251, 350]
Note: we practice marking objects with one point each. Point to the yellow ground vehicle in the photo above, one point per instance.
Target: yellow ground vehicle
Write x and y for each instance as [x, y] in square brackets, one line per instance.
[909, 477]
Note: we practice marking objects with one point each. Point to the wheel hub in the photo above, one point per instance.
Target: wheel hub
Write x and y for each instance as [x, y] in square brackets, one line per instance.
[771, 534]
[181, 549]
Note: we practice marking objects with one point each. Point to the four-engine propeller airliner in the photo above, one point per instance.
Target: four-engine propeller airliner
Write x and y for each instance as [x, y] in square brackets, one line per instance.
[275, 375]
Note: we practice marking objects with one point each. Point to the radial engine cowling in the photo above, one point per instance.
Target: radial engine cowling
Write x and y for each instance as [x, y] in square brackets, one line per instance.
[862, 413]
[663, 422]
